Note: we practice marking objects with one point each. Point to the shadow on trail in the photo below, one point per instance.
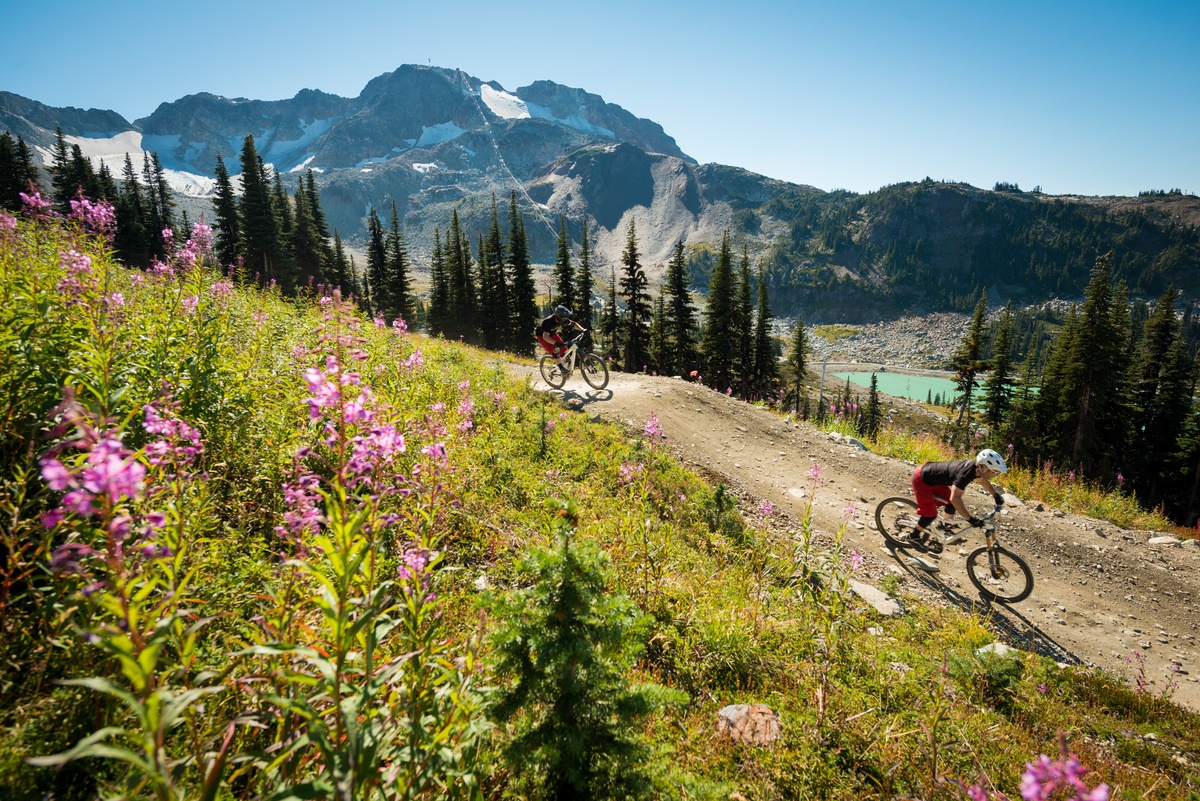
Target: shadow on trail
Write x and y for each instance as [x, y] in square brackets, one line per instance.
[1010, 625]
[575, 400]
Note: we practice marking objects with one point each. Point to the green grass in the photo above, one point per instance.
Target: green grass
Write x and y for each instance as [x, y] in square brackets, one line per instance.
[733, 617]
[832, 333]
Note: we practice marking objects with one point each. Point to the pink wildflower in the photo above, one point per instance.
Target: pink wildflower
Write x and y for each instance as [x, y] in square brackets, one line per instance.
[653, 430]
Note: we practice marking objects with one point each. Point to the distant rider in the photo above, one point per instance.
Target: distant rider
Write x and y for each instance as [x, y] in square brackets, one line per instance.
[931, 479]
[549, 333]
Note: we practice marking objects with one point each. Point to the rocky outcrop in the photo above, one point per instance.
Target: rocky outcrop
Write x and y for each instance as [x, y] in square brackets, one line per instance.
[35, 122]
[568, 103]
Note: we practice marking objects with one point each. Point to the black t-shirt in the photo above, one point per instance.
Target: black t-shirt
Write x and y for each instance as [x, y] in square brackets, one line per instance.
[958, 473]
[551, 326]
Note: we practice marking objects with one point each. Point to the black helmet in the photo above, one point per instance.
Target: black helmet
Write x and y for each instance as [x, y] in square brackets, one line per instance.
[562, 311]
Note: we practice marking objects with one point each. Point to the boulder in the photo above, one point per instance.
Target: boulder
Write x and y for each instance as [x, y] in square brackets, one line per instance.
[749, 724]
[883, 603]
[1168, 541]
[997, 649]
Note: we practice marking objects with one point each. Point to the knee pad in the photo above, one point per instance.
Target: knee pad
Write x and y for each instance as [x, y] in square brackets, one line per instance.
[923, 522]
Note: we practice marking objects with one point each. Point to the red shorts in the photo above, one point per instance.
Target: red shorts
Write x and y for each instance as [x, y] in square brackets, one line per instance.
[551, 343]
[928, 498]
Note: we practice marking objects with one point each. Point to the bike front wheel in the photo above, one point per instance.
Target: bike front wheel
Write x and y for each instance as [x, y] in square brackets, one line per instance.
[595, 371]
[999, 574]
[550, 372]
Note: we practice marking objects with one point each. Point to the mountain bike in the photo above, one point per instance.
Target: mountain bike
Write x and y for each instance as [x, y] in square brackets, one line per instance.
[998, 573]
[591, 366]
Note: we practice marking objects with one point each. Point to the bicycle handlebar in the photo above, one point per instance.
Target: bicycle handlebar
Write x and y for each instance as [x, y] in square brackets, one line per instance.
[992, 514]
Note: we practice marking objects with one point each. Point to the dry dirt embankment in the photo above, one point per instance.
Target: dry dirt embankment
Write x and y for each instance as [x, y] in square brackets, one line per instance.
[1101, 592]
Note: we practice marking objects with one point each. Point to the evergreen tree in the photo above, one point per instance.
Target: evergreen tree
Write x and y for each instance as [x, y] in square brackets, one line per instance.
[564, 288]
[132, 240]
[439, 290]
[461, 322]
[16, 171]
[10, 185]
[258, 227]
[62, 176]
[967, 361]
[584, 285]
[872, 418]
[308, 248]
[720, 343]
[286, 269]
[797, 364]
[660, 340]
[637, 299]
[106, 186]
[154, 219]
[565, 645]
[379, 300]
[83, 175]
[399, 286]
[339, 273]
[317, 214]
[999, 392]
[225, 210]
[1162, 400]
[1083, 406]
[1159, 334]
[766, 365]
[745, 326]
[494, 311]
[681, 319]
[610, 322]
[524, 292]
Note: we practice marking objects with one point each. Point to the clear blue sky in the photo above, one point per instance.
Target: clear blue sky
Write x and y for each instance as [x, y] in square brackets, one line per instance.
[1093, 97]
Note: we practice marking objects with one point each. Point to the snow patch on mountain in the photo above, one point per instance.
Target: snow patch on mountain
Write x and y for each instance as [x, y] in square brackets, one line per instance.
[504, 105]
[284, 151]
[111, 150]
[437, 134]
[425, 169]
[300, 167]
[510, 107]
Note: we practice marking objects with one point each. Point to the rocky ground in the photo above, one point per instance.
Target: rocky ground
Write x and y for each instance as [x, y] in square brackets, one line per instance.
[916, 342]
[1103, 596]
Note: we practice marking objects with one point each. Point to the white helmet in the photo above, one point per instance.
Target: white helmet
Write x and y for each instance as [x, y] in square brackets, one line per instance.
[991, 460]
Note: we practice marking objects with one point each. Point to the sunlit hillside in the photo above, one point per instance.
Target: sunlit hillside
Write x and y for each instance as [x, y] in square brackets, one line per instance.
[259, 548]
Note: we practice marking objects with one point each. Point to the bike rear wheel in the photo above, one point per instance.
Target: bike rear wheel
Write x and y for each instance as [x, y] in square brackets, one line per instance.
[550, 372]
[999, 574]
[595, 371]
[895, 517]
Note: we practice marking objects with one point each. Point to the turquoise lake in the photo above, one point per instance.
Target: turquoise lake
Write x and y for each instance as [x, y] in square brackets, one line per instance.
[913, 387]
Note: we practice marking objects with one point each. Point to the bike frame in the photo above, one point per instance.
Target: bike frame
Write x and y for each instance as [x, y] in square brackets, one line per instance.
[571, 352]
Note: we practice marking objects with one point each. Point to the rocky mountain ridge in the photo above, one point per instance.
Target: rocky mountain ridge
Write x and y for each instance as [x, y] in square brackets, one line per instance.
[436, 140]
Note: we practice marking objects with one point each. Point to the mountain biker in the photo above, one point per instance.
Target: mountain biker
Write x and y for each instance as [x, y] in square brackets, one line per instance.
[929, 483]
[549, 333]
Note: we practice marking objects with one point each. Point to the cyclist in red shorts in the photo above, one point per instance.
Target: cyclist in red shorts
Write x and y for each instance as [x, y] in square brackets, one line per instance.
[549, 332]
[930, 483]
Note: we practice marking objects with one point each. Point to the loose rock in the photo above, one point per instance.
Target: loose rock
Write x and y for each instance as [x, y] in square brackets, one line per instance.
[749, 724]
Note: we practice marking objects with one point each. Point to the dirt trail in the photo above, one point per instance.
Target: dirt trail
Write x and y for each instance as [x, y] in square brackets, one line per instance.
[1101, 593]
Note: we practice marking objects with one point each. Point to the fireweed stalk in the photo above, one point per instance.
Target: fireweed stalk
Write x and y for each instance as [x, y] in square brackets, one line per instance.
[823, 577]
[351, 671]
[124, 523]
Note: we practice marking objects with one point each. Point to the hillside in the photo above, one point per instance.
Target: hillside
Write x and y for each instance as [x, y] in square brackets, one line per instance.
[264, 548]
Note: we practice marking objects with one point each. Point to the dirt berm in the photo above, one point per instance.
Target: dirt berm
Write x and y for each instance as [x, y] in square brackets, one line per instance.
[1101, 593]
